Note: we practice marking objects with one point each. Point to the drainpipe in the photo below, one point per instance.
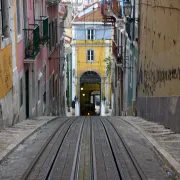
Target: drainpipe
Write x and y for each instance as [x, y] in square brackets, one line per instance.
[134, 9]
[122, 77]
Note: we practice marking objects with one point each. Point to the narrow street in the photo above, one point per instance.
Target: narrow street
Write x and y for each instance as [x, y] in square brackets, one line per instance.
[85, 148]
[89, 90]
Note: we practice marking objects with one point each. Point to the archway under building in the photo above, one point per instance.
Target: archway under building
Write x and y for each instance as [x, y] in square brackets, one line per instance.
[90, 94]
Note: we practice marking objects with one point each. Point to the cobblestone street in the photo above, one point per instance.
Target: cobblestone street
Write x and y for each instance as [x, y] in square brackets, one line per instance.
[86, 148]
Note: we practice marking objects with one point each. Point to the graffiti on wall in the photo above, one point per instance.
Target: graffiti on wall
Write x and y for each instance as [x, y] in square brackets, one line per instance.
[151, 77]
[5, 71]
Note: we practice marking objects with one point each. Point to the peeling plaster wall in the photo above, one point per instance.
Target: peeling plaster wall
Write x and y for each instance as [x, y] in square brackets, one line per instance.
[159, 65]
[159, 73]
[9, 102]
[6, 116]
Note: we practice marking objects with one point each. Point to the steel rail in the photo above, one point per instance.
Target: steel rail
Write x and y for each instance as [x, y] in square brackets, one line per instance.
[75, 167]
[93, 171]
[39, 154]
[119, 170]
[131, 156]
[57, 153]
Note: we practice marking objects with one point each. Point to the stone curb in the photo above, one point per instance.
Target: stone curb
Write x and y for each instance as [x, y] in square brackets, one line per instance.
[171, 162]
[14, 146]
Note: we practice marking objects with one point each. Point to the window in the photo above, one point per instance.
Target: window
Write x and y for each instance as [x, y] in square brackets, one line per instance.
[131, 70]
[50, 38]
[55, 88]
[52, 35]
[39, 92]
[38, 9]
[53, 85]
[33, 85]
[21, 92]
[19, 20]
[44, 77]
[90, 55]
[90, 34]
[56, 32]
[4, 13]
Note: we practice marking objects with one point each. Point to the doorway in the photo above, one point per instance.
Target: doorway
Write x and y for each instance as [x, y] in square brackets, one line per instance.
[90, 94]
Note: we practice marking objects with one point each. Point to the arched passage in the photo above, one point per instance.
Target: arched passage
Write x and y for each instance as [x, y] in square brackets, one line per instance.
[90, 93]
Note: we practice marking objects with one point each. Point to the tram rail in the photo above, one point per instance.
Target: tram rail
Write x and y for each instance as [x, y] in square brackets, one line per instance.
[85, 148]
[30, 173]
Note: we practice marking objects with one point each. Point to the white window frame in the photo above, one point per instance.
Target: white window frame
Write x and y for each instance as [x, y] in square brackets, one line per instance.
[90, 59]
[19, 21]
[92, 33]
[5, 39]
[38, 9]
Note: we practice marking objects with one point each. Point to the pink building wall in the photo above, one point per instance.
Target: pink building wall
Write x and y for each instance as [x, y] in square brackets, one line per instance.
[54, 63]
[20, 52]
[31, 11]
[51, 65]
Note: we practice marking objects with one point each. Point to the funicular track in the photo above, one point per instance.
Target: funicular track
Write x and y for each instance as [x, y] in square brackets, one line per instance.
[42, 164]
[85, 148]
[126, 165]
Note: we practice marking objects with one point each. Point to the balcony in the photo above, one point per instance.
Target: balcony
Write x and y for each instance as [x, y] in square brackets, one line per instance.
[32, 41]
[52, 2]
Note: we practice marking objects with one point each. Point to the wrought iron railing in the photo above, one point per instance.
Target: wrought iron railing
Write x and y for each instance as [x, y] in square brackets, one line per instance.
[32, 41]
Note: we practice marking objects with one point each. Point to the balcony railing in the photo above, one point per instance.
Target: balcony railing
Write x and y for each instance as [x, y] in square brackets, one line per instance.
[32, 41]
[52, 2]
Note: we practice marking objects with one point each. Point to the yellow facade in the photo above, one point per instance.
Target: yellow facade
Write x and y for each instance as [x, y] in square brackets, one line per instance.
[5, 70]
[99, 59]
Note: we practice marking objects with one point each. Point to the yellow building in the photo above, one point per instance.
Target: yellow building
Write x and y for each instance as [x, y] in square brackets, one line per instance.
[5, 70]
[91, 44]
[7, 63]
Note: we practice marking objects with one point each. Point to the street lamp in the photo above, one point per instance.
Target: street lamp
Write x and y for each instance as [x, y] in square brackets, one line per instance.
[127, 11]
[127, 7]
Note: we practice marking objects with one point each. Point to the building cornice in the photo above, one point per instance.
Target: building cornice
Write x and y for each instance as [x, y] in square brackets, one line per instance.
[92, 45]
[94, 23]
